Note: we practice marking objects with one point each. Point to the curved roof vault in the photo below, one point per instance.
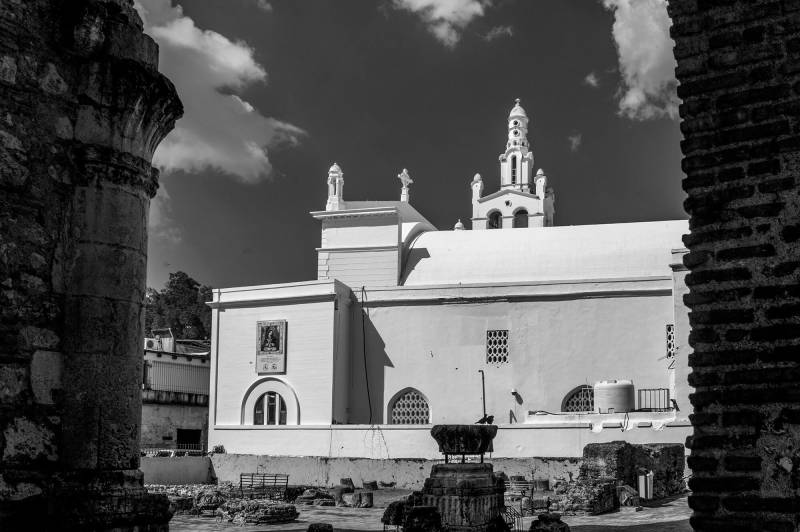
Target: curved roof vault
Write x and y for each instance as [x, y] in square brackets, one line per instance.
[580, 252]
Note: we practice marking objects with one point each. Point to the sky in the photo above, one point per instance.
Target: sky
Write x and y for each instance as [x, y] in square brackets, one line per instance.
[275, 91]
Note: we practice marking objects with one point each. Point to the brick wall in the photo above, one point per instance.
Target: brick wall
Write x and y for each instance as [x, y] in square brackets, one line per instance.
[739, 73]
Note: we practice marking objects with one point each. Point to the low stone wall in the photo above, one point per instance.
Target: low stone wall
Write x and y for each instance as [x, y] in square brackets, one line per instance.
[178, 470]
[405, 473]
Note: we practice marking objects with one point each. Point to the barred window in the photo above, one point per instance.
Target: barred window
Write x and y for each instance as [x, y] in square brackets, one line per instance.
[670, 340]
[580, 399]
[410, 408]
[497, 347]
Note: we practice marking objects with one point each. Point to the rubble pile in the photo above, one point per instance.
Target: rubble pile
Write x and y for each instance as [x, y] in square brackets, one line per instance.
[243, 511]
[315, 497]
[224, 502]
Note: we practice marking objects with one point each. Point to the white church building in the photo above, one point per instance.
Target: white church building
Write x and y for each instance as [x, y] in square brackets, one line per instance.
[565, 335]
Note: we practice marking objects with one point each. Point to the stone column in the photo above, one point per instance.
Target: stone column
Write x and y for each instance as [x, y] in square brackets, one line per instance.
[739, 68]
[82, 108]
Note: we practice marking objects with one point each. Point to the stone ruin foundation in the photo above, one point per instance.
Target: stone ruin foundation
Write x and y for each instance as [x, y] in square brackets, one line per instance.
[622, 462]
[82, 108]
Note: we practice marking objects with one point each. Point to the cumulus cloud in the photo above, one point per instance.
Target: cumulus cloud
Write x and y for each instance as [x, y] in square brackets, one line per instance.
[161, 223]
[446, 19]
[498, 32]
[647, 65]
[575, 141]
[219, 129]
[591, 79]
[264, 5]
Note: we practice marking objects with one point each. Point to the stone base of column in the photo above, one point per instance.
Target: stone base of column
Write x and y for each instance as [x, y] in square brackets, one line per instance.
[468, 496]
[96, 501]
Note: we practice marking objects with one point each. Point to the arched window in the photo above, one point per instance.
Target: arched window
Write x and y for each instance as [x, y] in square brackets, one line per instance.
[521, 218]
[580, 399]
[513, 169]
[409, 407]
[494, 220]
[270, 409]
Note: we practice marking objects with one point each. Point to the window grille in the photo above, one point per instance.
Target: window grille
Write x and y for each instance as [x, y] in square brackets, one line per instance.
[670, 340]
[410, 408]
[497, 347]
[581, 399]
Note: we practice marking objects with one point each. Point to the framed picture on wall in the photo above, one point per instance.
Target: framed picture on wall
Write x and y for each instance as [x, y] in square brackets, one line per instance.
[271, 347]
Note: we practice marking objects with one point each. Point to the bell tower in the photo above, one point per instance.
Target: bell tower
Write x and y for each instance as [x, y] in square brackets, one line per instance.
[516, 163]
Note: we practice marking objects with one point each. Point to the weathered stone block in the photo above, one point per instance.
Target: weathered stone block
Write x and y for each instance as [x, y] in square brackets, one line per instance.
[422, 519]
[464, 439]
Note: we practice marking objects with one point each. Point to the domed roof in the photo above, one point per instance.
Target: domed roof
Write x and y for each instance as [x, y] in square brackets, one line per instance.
[334, 169]
[517, 110]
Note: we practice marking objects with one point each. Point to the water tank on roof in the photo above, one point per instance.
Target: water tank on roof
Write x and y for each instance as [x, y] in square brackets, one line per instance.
[614, 396]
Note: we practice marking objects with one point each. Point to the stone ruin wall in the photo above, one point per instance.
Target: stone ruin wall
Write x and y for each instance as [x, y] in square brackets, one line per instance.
[82, 108]
[739, 74]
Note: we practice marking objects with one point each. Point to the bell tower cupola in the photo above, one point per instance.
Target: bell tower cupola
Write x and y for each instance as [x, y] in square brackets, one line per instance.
[335, 189]
[516, 163]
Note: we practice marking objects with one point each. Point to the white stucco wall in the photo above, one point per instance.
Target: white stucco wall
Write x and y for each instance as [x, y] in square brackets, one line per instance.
[376, 229]
[682, 329]
[177, 470]
[357, 267]
[311, 361]
[396, 441]
[508, 202]
[555, 344]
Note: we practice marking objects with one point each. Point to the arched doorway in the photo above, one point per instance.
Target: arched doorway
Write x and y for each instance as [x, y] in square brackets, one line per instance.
[521, 218]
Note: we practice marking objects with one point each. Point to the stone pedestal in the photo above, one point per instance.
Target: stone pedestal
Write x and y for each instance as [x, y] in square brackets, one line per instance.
[468, 496]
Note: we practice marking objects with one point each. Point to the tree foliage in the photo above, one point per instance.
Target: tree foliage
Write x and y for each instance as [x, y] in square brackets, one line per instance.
[180, 306]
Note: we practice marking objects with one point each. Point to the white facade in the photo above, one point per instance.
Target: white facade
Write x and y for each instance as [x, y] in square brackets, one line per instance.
[404, 321]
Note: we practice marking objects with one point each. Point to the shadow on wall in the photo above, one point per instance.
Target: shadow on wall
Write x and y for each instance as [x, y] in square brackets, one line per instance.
[368, 363]
[671, 526]
[414, 257]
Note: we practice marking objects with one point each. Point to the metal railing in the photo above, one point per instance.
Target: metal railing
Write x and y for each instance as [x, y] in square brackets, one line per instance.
[175, 377]
[654, 400]
[190, 446]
